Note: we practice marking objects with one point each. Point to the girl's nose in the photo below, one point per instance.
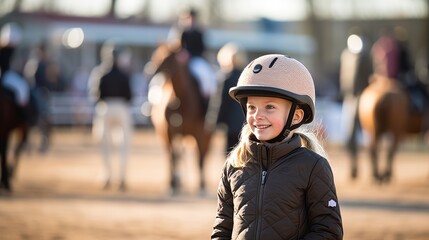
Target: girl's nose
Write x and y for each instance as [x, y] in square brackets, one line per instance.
[259, 114]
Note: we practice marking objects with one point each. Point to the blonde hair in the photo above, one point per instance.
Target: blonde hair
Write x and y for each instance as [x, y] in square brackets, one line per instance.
[311, 138]
[241, 153]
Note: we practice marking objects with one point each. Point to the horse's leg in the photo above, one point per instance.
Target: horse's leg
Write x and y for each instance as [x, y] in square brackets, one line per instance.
[174, 176]
[18, 150]
[45, 131]
[4, 168]
[374, 157]
[351, 114]
[354, 167]
[203, 146]
[202, 187]
[352, 146]
[390, 156]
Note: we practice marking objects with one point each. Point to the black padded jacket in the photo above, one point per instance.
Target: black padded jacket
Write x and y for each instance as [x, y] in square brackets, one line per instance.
[285, 191]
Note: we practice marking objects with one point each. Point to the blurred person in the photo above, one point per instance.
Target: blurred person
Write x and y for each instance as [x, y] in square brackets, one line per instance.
[232, 59]
[44, 75]
[109, 86]
[355, 70]
[385, 55]
[11, 79]
[277, 182]
[422, 72]
[190, 37]
[408, 75]
[422, 66]
[391, 58]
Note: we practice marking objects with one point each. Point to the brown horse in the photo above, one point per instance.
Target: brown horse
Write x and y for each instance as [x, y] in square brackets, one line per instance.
[384, 109]
[178, 110]
[11, 121]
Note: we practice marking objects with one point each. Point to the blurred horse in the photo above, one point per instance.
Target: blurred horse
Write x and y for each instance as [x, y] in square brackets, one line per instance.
[11, 121]
[177, 110]
[385, 109]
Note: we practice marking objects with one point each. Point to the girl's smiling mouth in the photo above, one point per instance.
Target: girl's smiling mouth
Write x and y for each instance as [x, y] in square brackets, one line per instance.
[262, 126]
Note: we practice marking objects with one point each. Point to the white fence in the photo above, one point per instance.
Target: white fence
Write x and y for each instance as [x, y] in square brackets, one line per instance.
[68, 110]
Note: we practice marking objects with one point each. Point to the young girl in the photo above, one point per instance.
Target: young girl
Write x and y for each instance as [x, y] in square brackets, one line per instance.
[276, 183]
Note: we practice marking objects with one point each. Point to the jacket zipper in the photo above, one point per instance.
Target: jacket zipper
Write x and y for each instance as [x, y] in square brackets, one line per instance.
[260, 201]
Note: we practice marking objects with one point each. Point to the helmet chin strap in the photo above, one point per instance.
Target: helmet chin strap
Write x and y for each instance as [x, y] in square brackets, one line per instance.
[288, 126]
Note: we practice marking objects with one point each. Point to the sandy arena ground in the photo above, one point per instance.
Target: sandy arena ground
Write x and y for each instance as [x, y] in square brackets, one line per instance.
[58, 195]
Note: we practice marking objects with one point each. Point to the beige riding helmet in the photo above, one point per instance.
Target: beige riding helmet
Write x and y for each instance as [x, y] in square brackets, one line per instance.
[277, 75]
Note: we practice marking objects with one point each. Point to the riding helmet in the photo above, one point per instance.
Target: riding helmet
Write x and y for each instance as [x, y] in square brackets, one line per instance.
[276, 75]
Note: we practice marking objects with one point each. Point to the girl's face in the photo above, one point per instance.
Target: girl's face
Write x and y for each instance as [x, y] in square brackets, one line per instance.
[267, 116]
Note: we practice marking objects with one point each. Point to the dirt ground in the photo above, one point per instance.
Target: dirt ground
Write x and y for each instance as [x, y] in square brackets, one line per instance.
[58, 195]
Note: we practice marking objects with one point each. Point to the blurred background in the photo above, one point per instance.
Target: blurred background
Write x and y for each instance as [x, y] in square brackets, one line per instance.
[314, 32]
[58, 192]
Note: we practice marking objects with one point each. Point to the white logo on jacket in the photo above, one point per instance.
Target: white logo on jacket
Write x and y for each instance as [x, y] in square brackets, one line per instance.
[332, 203]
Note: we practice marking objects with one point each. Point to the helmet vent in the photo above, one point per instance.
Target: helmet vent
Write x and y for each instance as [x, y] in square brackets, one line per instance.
[257, 68]
[272, 62]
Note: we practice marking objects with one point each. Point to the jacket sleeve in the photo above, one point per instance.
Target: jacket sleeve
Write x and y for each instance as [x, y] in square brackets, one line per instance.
[323, 210]
[223, 224]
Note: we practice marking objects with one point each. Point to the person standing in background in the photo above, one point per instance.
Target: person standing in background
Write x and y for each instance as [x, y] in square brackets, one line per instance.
[232, 59]
[355, 70]
[109, 86]
[44, 74]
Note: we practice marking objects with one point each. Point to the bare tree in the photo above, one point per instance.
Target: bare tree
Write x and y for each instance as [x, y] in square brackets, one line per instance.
[316, 32]
[112, 8]
[215, 16]
[17, 6]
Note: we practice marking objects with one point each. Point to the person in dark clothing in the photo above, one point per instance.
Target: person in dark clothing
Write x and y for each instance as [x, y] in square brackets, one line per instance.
[407, 76]
[190, 37]
[44, 75]
[276, 183]
[109, 86]
[115, 84]
[391, 58]
[355, 70]
[231, 61]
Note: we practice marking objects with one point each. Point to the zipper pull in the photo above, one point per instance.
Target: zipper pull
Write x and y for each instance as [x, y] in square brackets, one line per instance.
[264, 177]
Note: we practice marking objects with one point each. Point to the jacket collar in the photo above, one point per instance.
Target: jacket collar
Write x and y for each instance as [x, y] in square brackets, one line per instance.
[269, 153]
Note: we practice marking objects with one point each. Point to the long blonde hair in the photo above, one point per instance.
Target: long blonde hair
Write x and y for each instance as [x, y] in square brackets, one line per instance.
[241, 153]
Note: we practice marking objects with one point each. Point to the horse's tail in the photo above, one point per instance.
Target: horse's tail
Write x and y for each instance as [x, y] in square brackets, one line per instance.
[391, 112]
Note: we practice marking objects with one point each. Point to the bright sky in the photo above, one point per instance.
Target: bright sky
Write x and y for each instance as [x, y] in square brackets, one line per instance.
[273, 9]
[239, 10]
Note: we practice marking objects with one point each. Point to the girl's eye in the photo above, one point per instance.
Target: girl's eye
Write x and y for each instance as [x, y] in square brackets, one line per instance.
[270, 107]
[250, 107]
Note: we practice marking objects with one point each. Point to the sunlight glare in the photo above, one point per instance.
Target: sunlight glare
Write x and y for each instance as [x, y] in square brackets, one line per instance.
[128, 8]
[73, 37]
[354, 43]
